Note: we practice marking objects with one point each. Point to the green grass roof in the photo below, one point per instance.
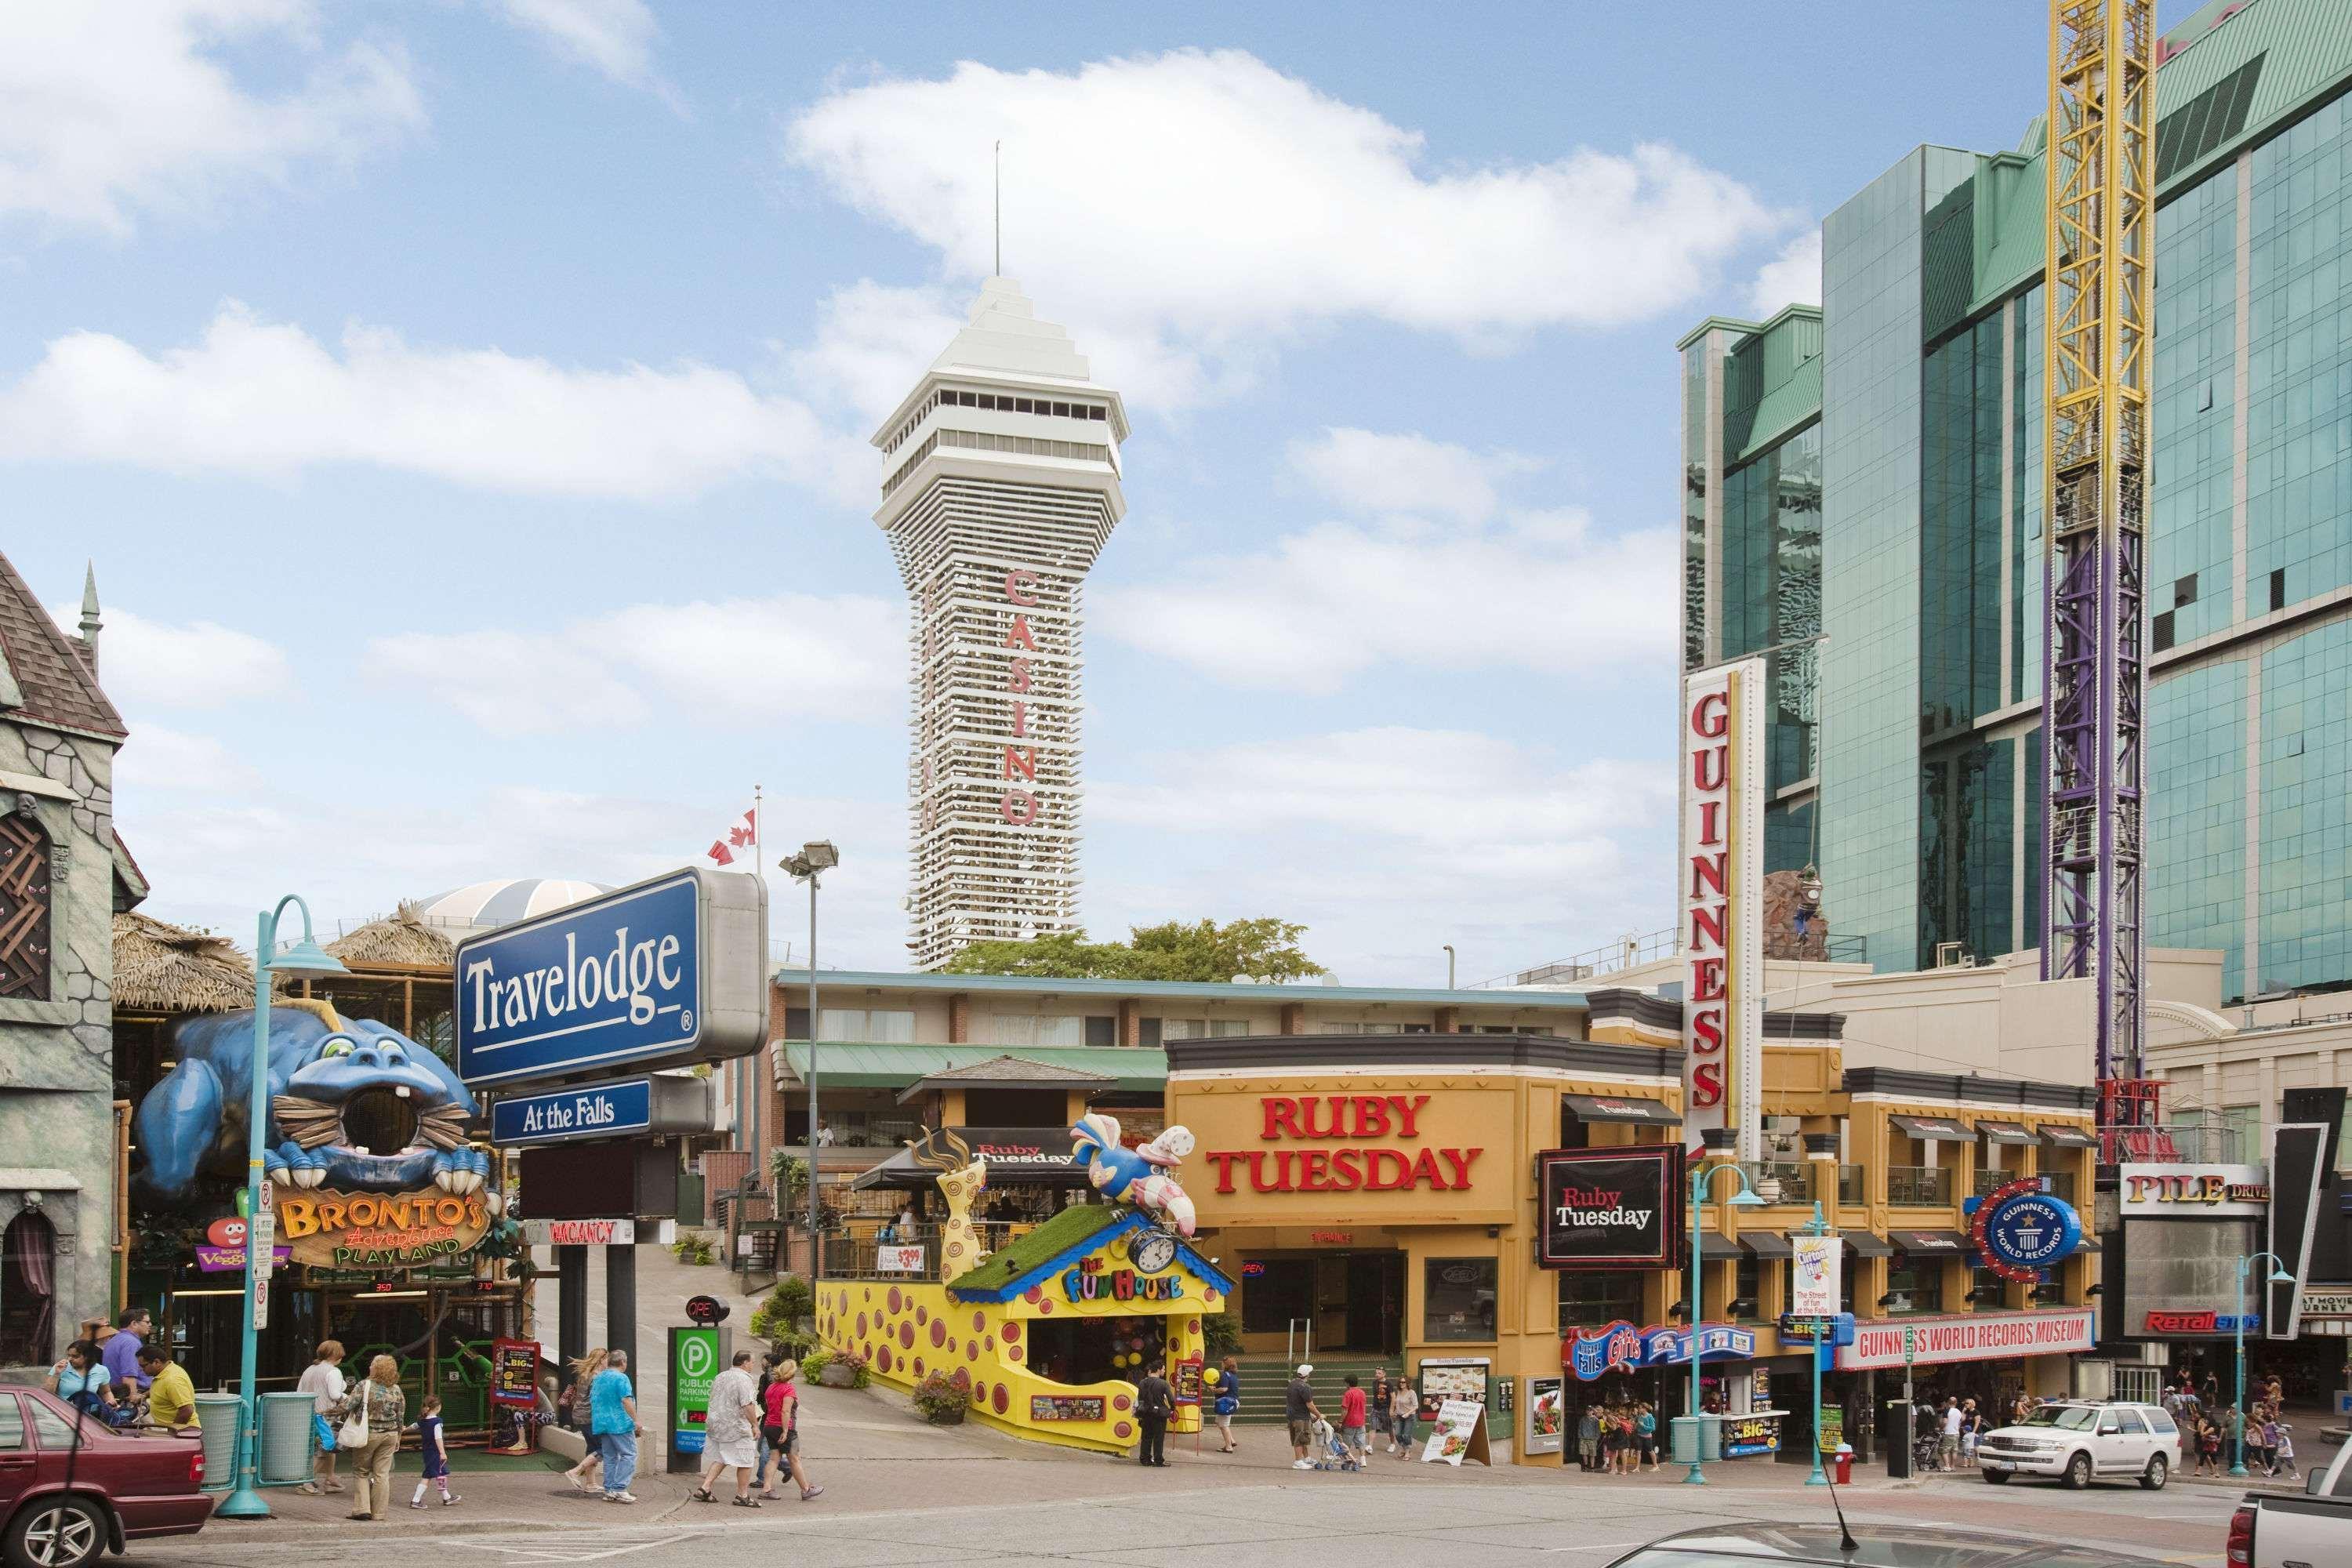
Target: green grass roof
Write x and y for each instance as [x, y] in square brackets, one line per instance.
[1073, 1227]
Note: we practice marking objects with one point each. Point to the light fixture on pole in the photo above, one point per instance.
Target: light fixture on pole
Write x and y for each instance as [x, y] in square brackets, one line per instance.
[817, 856]
[1700, 1179]
[2279, 1276]
[1449, 966]
[302, 960]
[1817, 1225]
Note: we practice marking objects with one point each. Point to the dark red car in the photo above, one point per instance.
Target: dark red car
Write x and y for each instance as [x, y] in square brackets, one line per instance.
[69, 1490]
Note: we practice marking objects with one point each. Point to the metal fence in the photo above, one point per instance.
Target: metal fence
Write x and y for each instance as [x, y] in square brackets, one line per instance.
[864, 1249]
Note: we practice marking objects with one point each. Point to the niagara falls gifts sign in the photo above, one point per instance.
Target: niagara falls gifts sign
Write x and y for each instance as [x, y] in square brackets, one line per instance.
[1610, 1208]
[1722, 930]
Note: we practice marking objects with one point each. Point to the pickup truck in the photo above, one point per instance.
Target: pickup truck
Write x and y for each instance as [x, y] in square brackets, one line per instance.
[2273, 1530]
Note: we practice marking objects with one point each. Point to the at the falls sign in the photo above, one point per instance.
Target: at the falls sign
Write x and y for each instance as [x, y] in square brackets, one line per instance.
[1722, 901]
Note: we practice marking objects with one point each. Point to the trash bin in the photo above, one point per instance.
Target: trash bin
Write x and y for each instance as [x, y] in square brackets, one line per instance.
[1898, 1439]
[1843, 1461]
[287, 1440]
[217, 1412]
[1712, 1430]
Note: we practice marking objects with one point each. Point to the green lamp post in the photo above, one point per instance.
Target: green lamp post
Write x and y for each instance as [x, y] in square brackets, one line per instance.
[302, 960]
[2279, 1276]
[1701, 1177]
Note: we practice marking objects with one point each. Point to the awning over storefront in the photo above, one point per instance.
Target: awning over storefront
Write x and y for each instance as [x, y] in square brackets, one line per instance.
[1714, 1244]
[1941, 1243]
[1944, 1128]
[2069, 1138]
[1620, 1107]
[1861, 1244]
[2090, 1243]
[1763, 1243]
[1016, 1156]
[2005, 1131]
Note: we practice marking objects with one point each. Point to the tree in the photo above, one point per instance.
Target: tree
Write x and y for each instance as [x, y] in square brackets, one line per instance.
[1263, 949]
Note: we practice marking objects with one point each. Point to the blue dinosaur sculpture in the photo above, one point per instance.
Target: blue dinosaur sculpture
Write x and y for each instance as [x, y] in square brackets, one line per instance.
[322, 1069]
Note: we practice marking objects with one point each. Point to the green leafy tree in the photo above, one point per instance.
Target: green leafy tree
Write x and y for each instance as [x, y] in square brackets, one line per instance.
[1263, 949]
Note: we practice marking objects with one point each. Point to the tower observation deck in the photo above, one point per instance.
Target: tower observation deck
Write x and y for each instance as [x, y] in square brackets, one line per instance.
[1000, 483]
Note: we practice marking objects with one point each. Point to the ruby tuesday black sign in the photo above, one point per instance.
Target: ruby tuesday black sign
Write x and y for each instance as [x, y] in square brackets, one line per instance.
[1610, 1208]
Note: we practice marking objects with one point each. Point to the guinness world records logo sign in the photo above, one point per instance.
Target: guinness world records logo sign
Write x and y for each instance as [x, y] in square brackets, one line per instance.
[2020, 1230]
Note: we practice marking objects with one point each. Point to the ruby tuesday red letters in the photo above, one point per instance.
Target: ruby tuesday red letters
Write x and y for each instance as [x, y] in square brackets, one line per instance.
[1321, 1119]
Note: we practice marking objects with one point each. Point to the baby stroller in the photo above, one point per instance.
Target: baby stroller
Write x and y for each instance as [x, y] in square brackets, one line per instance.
[1332, 1454]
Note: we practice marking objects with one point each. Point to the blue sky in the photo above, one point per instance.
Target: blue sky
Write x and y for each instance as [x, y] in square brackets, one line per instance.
[464, 406]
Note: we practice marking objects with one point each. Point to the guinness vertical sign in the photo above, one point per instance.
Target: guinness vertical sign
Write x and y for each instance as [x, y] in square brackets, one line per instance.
[1722, 901]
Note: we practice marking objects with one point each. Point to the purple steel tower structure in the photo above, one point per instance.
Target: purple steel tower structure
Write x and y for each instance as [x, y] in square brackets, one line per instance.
[2101, 168]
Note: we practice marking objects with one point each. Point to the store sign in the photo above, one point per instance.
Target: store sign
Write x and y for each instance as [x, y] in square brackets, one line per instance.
[1091, 1280]
[2185, 1191]
[580, 1232]
[2020, 1230]
[2328, 1304]
[668, 971]
[2201, 1323]
[896, 1260]
[1722, 898]
[1817, 1275]
[600, 1110]
[693, 1366]
[1320, 1120]
[1816, 1328]
[1746, 1435]
[1977, 1336]
[1610, 1208]
[1621, 1347]
[1019, 807]
[375, 1230]
[233, 1260]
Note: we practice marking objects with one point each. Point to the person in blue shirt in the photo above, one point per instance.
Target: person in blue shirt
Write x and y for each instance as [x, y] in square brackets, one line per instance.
[131, 1328]
[613, 1417]
[80, 1380]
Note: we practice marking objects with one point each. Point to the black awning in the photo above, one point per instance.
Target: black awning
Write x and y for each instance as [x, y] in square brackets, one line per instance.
[1714, 1244]
[2004, 1131]
[1016, 1156]
[1863, 1244]
[1945, 1128]
[2090, 1243]
[1621, 1108]
[1764, 1244]
[1938, 1243]
[2069, 1138]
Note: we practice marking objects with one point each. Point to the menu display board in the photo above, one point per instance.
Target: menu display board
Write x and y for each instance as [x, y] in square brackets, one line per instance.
[1452, 1377]
[1544, 1415]
[1065, 1407]
[1187, 1382]
[1459, 1433]
[514, 1371]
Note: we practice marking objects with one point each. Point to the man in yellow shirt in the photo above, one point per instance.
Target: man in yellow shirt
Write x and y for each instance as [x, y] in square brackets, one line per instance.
[170, 1397]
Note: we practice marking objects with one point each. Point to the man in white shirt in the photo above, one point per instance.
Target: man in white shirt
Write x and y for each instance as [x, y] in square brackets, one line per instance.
[1948, 1450]
[730, 1432]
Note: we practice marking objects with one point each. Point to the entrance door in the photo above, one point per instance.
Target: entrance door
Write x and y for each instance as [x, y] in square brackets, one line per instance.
[1376, 1302]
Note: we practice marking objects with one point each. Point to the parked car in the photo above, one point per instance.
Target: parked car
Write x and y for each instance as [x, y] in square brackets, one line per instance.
[72, 1488]
[2078, 1440]
[1879, 1545]
[2274, 1529]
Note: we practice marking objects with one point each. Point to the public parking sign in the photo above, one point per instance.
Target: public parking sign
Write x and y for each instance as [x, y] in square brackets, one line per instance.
[669, 972]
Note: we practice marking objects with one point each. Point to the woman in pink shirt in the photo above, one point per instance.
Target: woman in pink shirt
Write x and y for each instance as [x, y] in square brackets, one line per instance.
[780, 1426]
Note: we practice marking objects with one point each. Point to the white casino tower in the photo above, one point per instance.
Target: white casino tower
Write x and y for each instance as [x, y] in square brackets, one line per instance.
[999, 485]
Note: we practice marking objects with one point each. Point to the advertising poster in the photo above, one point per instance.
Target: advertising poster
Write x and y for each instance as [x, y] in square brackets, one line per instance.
[1610, 1208]
[1458, 1433]
[1452, 1377]
[1817, 1275]
[896, 1259]
[1544, 1415]
[694, 1365]
[514, 1371]
[1744, 1436]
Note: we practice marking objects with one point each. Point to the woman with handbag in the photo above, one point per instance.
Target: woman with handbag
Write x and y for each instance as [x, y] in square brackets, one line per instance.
[372, 1431]
[322, 1380]
[1229, 1401]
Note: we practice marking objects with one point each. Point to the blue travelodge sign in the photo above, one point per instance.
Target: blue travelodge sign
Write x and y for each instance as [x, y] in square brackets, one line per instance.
[668, 971]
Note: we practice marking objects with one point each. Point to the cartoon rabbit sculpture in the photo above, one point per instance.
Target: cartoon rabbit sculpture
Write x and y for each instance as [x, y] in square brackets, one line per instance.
[1140, 1176]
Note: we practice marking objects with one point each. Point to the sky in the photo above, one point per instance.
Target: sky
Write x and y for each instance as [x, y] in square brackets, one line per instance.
[465, 407]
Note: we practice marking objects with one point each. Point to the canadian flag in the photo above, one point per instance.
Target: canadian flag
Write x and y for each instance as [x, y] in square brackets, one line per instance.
[738, 842]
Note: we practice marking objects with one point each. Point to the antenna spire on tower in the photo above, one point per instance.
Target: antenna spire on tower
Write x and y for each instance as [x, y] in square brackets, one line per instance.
[999, 209]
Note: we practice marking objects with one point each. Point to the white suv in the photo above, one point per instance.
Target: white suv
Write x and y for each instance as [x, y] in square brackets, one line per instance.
[2080, 1439]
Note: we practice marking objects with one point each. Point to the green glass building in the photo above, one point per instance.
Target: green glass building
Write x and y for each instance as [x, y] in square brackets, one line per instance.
[1862, 495]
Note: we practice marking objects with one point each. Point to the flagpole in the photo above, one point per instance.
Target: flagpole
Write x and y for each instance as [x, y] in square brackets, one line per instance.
[759, 1064]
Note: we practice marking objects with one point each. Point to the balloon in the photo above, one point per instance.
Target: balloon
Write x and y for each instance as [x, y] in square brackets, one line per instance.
[1211, 1376]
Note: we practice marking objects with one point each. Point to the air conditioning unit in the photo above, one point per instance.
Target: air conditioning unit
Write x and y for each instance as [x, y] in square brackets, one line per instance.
[1953, 955]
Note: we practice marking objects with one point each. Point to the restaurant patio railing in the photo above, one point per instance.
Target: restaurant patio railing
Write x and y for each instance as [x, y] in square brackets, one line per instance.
[870, 1249]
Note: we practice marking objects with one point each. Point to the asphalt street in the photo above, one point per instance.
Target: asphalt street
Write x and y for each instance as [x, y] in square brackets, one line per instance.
[1317, 1519]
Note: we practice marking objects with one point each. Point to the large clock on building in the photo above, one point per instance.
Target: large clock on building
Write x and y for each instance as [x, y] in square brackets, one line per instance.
[1152, 1251]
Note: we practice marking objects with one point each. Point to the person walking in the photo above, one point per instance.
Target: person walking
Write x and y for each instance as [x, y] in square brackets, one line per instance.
[2283, 1447]
[1229, 1401]
[1155, 1401]
[322, 1380]
[586, 1476]
[613, 1417]
[1588, 1439]
[780, 1406]
[1404, 1409]
[1353, 1410]
[434, 1446]
[1645, 1436]
[1299, 1409]
[381, 1396]
[1376, 1397]
[730, 1432]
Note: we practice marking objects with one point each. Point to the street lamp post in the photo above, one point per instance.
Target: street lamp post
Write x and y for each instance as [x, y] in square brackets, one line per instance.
[2278, 1276]
[1817, 1225]
[1743, 1198]
[302, 960]
[816, 856]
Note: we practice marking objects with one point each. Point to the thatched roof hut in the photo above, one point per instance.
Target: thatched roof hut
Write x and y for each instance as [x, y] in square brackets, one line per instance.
[398, 941]
[162, 968]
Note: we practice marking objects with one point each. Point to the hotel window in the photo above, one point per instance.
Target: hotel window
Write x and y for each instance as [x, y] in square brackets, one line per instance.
[1457, 1299]
[1159, 1029]
[1593, 1298]
[1033, 1030]
[877, 1025]
[1358, 1027]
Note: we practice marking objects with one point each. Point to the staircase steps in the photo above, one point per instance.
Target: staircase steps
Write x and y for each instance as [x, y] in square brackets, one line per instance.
[1264, 1379]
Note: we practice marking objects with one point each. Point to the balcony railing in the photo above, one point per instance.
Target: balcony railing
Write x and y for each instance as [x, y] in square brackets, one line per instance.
[862, 1249]
[1780, 1181]
[2060, 1184]
[1919, 1186]
[1990, 1179]
[1853, 1184]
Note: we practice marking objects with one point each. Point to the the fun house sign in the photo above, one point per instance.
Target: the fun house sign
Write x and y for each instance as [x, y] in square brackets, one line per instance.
[1721, 937]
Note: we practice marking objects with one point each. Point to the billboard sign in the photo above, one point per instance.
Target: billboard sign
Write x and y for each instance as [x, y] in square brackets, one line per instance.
[1817, 1279]
[2020, 1230]
[1721, 935]
[2191, 1191]
[669, 972]
[1611, 1207]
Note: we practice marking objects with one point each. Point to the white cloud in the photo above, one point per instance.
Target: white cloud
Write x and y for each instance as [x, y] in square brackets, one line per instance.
[254, 398]
[158, 760]
[1248, 204]
[793, 656]
[110, 110]
[148, 664]
[1791, 277]
[613, 37]
[873, 343]
[1367, 470]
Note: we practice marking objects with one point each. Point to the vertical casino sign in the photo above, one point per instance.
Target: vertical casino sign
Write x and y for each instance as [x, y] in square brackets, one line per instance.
[1020, 804]
[1722, 899]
